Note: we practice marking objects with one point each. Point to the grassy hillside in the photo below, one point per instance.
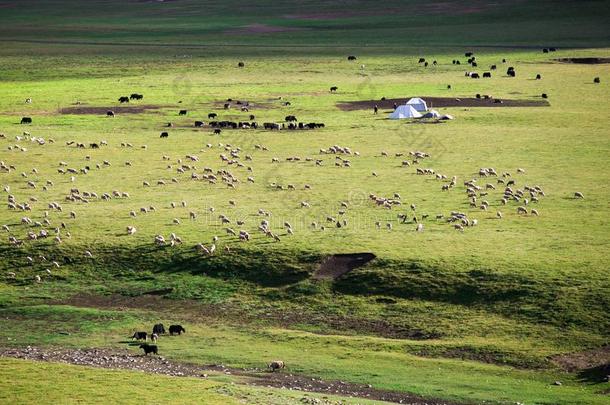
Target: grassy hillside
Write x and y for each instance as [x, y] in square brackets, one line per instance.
[471, 315]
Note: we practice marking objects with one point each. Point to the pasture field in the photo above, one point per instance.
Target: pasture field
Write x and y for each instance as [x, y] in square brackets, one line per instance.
[493, 313]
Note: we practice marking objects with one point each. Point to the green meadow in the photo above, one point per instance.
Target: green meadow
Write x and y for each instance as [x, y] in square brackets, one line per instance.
[474, 315]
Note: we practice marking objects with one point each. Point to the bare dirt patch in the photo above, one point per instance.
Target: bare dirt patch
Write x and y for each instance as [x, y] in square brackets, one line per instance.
[587, 359]
[586, 61]
[439, 102]
[261, 29]
[82, 110]
[125, 360]
[335, 266]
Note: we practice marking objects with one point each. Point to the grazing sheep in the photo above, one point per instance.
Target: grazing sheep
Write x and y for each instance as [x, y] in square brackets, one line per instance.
[419, 228]
[276, 365]
[131, 230]
[578, 194]
[521, 210]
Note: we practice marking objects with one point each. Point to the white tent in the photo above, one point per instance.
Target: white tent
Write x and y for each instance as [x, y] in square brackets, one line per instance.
[418, 104]
[404, 111]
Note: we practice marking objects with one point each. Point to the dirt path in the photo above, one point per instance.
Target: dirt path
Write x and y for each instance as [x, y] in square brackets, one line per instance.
[125, 360]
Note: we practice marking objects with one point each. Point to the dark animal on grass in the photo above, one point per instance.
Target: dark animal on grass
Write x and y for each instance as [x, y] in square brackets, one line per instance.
[217, 131]
[26, 120]
[182, 112]
[544, 50]
[544, 95]
[212, 115]
[478, 95]
[289, 118]
[94, 146]
[287, 103]
[552, 49]
[596, 80]
[159, 329]
[486, 74]
[538, 77]
[351, 57]
[198, 124]
[110, 113]
[434, 63]
[140, 336]
[149, 348]
[164, 135]
[503, 60]
[421, 60]
[448, 87]
[474, 76]
[252, 117]
[227, 106]
[154, 337]
[468, 54]
[457, 62]
[244, 109]
[493, 67]
[333, 89]
[276, 365]
[169, 125]
[426, 64]
[136, 96]
[176, 329]
[124, 99]
[241, 64]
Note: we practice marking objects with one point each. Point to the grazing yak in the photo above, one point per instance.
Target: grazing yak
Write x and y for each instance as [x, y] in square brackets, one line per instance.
[276, 365]
[227, 106]
[164, 135]
[333, 89]
[538, 76]
[176, 329]
[241, 64]
[596, 80]
[290, 118]
[474, 75]
[140, 336]
[124, 99]
[486, 74]
[136, 96]
[110, 113]
[198, 124]
[351, 57]
[182, 112]
[212, 115]
[149, 348]
[217, 131]
[26, 120]
[158, 329]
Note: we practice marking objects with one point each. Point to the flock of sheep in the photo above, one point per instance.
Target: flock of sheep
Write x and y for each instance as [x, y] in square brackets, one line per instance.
[42, 218]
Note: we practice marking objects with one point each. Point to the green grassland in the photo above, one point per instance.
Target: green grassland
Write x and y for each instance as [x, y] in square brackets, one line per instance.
[493, 303]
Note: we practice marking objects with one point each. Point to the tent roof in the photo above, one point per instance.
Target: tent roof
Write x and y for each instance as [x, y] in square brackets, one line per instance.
[416, 100]
[405, 111]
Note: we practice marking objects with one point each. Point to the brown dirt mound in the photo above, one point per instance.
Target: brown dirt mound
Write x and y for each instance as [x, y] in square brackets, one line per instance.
[79, 110]
[583, 360]
[586, 61]
[336, 265]
[438, 102]
[123, 359]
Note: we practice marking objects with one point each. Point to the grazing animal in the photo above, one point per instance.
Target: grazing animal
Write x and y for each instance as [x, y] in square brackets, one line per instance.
[110, 113]
[182, 112]
[486, 74]
[176, 329]
[276, 365]
[158, 329]
[578, 194]
[351, 57]
[164, 135]
[140, 336]
[212, 115]
[154, 337]
[538, 76]
[149, 348]
[241, 64]
[123, 99]
[217, 131]
[334, 89]
[596, 80]
[26, 120]
[198, 124]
